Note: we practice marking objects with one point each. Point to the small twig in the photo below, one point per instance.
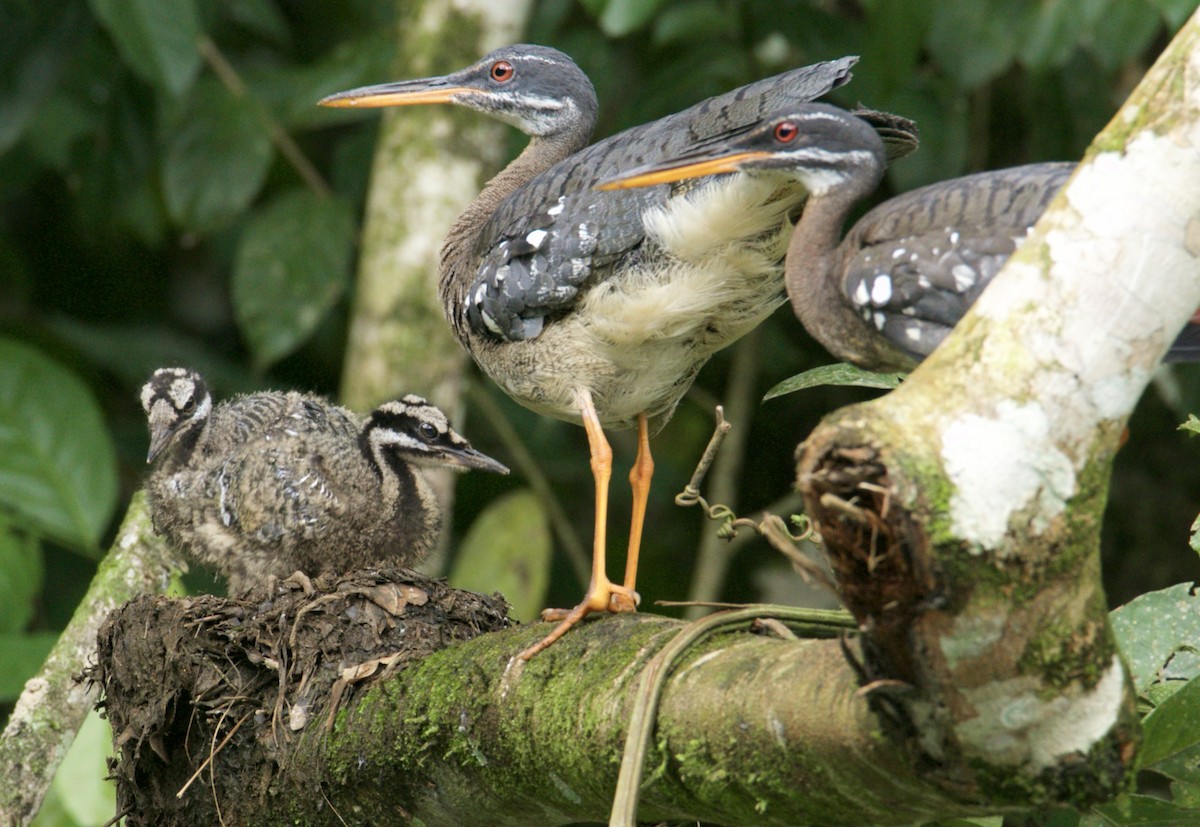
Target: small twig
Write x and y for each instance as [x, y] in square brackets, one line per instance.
[776, 533]
[707, 604]
[212, 753]
[771, 526]
[691, 492]
[121, 813]
[287, 147]
[882, 685]
[776, 628]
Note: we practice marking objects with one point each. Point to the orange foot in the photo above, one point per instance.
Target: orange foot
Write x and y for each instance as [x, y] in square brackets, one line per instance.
[602, 597]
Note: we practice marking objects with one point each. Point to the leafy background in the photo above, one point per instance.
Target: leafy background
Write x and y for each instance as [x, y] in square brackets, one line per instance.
[170, 194]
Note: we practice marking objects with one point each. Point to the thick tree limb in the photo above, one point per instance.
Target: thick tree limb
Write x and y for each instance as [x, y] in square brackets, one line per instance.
[464, 736]
[962, 511]
[55, 702]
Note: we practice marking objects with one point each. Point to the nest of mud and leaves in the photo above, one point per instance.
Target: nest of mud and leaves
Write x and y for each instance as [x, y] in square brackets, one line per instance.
[205, 687]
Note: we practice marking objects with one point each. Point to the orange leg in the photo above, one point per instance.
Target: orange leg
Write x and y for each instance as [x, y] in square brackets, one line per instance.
[639, 481]
[602, 594]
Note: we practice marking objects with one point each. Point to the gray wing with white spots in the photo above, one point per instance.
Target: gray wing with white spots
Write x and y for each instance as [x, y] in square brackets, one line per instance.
[924, 257]
[557, 234]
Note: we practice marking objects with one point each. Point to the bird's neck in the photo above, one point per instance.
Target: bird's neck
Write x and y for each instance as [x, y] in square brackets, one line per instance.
[179, 452]
[816, 264]
[395, 475]
[459, 251]
[408, 498]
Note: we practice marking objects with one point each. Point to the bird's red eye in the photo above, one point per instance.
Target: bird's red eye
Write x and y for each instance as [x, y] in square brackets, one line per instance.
[786, 132]
[502, 71]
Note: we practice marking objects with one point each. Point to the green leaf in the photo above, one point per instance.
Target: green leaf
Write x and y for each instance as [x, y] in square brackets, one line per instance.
[293, 263]
[1054, 28]
[56, 127]
[80, 790]
[132, 352]
[1155, 628]
[840, 374]
[21, 656]
[20, 577]
[622, 17]
[1192, 425]
[895, 31]
[1184, 768]
[1174, 12]
[263, 17]
[1185, 794]
[508, 550]
[686, 23]
[57, 463]
[973, 42]
[1145, 811]
[156, 38]
[1123, 32]
[216, 158]
[291, 91]
[1172, 727]
[35, 43]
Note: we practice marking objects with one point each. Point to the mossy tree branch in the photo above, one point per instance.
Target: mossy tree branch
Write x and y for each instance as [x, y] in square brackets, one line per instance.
[464, 736]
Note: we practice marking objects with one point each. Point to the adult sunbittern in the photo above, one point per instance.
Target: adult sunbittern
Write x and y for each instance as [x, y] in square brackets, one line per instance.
[598, 307]
[888, 292]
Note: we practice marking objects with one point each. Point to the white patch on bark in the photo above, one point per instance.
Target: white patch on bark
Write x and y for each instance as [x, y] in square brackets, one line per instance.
[1000, 465]
[972, 637]
[1017, 725]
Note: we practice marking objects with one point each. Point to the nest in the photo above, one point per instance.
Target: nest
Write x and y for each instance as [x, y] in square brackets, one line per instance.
[186, 681]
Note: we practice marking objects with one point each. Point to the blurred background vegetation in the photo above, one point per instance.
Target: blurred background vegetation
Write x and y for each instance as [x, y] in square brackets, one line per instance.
[170, 194]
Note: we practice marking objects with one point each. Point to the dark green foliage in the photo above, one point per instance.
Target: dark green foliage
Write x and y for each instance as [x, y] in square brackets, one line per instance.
[148, 216]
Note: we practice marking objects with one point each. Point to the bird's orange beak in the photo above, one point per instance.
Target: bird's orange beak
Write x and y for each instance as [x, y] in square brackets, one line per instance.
[648, 176]
[400, 93]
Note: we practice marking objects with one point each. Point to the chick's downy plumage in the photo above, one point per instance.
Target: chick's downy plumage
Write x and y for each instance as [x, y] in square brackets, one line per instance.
[273, 483]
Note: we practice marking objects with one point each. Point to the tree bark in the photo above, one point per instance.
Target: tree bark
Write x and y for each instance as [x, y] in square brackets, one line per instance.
[961, 513]
[465, 735]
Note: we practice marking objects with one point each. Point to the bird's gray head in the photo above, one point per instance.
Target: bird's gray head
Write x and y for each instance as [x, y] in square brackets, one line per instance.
[414, 430]
[177, 404]
[537, 89]
[821, 145]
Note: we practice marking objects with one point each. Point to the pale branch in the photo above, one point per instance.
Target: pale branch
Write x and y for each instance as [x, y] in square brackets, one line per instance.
[429, 163]
[55, 701]
[962, 511]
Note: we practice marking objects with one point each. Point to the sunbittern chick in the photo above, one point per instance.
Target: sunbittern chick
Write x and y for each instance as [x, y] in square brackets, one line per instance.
[305, 498]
